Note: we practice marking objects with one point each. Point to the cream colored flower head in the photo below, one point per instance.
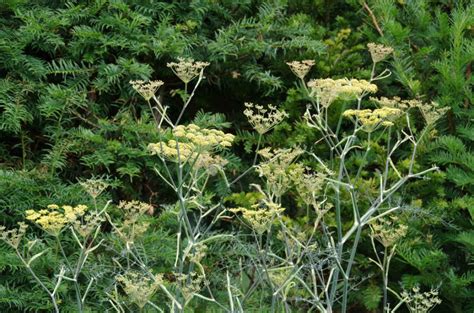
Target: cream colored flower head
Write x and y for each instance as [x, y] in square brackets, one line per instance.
[187, 69]
[133, 226]
[146, 89]
[261, 215]
[420, 302]
[13, 236]
[301, 68]
[276, 168]
[94, 186]
[89, 224]
[203, 138]
[196, 146]
[388, 231]
[379, 52]
[263, 119]
[328, 90]
[140, 287]
[431, 111]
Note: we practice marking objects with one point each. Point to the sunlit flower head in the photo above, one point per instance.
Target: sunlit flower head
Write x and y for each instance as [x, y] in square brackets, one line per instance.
[328, 90]
[301, 68]
[187, 69]
[378, 52]
[263, 119]
[372, 119]
[146, 89]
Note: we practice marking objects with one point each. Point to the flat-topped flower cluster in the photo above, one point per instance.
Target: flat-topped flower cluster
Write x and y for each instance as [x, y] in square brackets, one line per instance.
[195, 145]
[191, 140]
[372, 119]
[187, 69]
[53, 219]
[327, 90]
[203, 137]
[261, 215]
[263, 119]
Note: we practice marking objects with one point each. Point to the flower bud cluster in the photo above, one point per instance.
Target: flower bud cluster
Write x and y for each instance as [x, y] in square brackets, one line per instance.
[210, 163]
[276, 167]
[94, 187]
[88, 225]
[307, 184]
[132, 227]
[190, 284]
[200, 251]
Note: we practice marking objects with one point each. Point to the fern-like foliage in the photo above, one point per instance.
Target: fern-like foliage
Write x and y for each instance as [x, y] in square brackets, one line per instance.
[433, 60]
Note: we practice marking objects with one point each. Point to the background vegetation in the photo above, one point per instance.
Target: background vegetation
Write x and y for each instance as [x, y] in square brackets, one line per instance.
[67, 112]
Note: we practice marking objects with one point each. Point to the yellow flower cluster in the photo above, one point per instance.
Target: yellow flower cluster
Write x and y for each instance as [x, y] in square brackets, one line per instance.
[186, 69]
[53, 219]
[202, 137]
[431, 111]
[139, 287]
[260, 216]
[13, 236]
[328, 90]
[420, 302]
[195, 146]
[173, 150]
[371, 119]
[378, 52]
[301, 68]
[388, 231]
[189, 153]
[263, 119]
[146, 89]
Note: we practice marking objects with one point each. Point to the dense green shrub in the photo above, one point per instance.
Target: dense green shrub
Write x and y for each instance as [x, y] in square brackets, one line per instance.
[68, 112]
[432, 61]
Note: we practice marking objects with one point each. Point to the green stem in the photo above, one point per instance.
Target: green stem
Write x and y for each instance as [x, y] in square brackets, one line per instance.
[51, 295]
[68, 264]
